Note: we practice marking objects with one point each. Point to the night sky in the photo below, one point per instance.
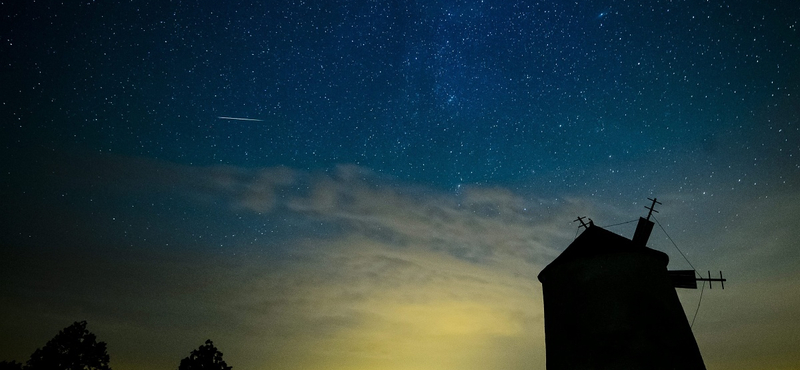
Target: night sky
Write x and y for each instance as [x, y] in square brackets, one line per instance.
[356, 184]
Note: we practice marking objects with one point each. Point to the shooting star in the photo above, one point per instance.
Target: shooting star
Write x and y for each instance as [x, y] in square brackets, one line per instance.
[242, 119]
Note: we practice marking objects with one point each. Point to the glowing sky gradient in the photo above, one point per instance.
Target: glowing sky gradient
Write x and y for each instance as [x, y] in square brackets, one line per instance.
[376, 185]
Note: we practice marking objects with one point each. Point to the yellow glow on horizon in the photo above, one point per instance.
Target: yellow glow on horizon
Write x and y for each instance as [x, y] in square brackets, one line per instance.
[466, 316]
[458, 318]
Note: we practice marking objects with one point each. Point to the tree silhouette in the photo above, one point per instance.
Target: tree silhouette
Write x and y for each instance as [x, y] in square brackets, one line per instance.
[207, 357]
[73, 348]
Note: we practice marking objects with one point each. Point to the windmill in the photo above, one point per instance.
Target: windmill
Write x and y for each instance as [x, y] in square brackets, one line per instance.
[610, 303]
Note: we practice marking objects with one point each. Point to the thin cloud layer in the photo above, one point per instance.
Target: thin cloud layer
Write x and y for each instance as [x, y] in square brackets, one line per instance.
[410, 278]
[474, 224]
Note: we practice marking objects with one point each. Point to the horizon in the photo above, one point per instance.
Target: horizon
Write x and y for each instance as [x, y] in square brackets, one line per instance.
[343, 185]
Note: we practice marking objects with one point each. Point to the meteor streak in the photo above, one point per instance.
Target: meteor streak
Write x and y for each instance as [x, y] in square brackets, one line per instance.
[241, 119]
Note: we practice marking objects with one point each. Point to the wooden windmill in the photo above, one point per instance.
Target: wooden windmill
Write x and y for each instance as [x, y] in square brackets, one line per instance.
[610, 303]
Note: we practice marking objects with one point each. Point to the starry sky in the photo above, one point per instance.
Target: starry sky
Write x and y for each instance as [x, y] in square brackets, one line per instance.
[357, 184]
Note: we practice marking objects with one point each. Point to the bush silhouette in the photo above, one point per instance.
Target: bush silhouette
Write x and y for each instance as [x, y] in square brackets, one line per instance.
[13, 365]
[207, 357]
[73, 348]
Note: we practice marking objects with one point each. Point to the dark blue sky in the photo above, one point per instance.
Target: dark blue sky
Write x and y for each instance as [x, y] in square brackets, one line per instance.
[441, 92]
[474, 130]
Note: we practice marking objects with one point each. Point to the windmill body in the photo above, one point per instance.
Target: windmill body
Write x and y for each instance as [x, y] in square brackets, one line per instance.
[610, 303]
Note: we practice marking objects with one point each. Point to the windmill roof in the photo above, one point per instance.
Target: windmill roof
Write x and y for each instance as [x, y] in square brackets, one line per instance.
[595, 242]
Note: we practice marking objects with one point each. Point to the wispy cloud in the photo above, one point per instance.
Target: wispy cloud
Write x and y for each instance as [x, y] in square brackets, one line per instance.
[414, 277]
[475, 223]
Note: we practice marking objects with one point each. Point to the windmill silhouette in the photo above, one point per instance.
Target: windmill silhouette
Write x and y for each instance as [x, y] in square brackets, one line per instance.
[610, 303]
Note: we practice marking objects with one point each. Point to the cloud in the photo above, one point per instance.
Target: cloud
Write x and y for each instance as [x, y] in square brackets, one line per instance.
[476, 224]
[413, 277]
